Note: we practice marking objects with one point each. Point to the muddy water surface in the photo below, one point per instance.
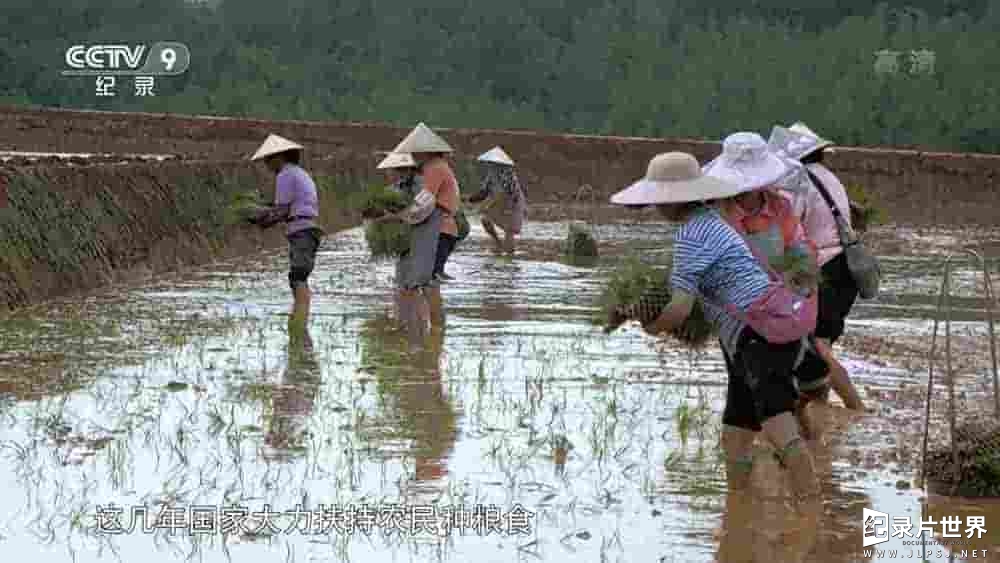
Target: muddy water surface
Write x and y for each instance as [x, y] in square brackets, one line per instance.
[521, 419]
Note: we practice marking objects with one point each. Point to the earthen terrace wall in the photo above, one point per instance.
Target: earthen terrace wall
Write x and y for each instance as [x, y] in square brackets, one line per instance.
[914, 187]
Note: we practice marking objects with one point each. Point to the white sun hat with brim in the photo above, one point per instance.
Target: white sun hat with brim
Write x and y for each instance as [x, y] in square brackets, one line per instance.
[797, 141]
[496, 155]
[748, 162]
[422, 139]
[397, 160]
[674, 177]
[275, 145]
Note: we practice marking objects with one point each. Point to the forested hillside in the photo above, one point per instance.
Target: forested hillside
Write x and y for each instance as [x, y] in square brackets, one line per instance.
[677, 68]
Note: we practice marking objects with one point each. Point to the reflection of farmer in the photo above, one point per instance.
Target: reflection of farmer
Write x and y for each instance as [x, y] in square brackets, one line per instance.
[415, 268]
[429, 151]
[505, 199]
[411, 391]
[423, 401]
[293, 401]
[297, 204]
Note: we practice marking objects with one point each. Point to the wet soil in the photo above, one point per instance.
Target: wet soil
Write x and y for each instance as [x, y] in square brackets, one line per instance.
[188, 391]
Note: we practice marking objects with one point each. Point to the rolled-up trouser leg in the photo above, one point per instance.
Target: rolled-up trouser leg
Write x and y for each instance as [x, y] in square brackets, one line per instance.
[740, 426]
[302, 247]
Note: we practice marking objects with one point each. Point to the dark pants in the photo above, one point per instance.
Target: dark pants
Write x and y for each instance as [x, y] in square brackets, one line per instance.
[837, 294]
[302, 247]
[446, 244]
[761, 381]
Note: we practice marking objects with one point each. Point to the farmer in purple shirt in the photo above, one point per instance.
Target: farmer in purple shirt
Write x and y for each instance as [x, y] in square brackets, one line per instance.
[297, 205]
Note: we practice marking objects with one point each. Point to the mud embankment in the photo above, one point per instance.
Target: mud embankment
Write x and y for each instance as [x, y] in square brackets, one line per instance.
[70, 228]
[915, 188]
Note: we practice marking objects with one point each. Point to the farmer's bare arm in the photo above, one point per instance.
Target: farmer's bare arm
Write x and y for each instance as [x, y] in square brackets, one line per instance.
[673, 315]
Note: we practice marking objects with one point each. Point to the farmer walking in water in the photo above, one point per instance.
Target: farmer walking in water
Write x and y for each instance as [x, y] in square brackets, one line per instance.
[296, 204]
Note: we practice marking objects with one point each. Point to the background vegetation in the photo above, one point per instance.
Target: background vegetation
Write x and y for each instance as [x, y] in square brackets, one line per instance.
[641, 67]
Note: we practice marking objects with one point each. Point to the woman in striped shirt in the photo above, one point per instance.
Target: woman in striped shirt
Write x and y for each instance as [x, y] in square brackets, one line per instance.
[714, 263]
[766, 218]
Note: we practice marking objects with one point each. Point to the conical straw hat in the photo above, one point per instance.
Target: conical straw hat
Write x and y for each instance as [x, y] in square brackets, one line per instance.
[497, 155]
[817, 141]
[274, 145]
[422, 139]
[397, 160]
[674, 177]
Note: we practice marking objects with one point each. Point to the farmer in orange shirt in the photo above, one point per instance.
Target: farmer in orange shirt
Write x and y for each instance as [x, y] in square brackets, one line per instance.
[430, 151]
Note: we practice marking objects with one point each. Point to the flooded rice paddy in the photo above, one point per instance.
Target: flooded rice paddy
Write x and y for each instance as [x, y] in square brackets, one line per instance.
[520, 433]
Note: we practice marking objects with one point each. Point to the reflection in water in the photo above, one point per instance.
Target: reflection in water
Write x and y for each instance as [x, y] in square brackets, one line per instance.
[411, 393]
[760, 527]
[502, 280]
[155, 395]
[957, 510]
[292, 401]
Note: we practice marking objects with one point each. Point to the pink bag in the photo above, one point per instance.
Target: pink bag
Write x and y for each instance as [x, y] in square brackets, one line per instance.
[781, 315]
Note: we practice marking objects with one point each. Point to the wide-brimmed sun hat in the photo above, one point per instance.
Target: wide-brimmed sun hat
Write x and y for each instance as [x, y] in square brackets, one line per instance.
[797, 141]
[674, 177]
[422, 139]
[496, 155]
[747, 162]
[275, 145]
[397, 160]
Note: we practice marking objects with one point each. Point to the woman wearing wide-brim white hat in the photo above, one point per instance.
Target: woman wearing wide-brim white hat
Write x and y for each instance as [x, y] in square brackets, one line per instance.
[296, 203]
[764, 215]
[838, 289]
[504, 201]
[712, 262]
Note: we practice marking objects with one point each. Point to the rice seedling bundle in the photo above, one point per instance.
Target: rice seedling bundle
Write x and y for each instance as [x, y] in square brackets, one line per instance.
[639, 292]
[580, 243]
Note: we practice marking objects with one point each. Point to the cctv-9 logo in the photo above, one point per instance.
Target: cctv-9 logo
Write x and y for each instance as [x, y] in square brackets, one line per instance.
[164, 58]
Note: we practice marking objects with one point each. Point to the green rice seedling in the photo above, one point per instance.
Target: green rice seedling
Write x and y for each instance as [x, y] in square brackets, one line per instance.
[580, 243]
[244, 207]
[638, 291]
[865, 211]
[386, 240]
[799, 268]
[378, 200]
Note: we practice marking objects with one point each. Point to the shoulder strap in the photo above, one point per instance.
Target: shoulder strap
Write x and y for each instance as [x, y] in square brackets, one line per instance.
[826, 195]
[843, 231]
